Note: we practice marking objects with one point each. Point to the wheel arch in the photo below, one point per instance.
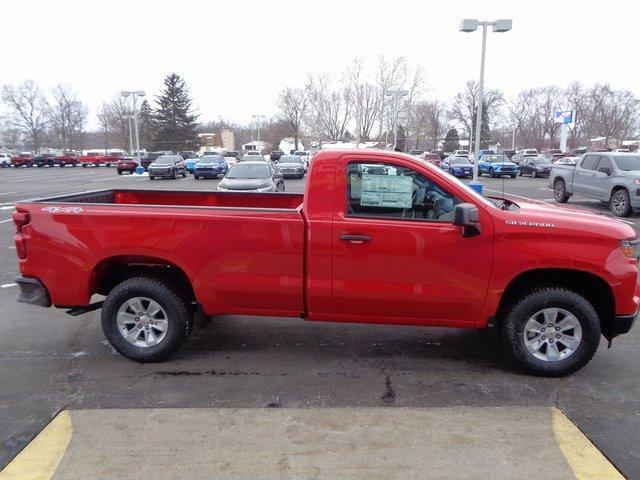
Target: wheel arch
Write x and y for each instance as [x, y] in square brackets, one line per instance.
[617, 187]
[110, 271]
[594, 288]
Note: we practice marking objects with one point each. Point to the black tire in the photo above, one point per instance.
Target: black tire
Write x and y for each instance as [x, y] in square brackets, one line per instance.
[119, 172]
[175, 175]
[151, 177]
[560, 191]
[492, 173]
[195, 177]
[479, 173]
[534, 174]
[620, 204]
[522, 310]
[519, 172]
[39, 165]
[84, 165]
[179, 318]
[513, 176]
[107, 165]
[184, 174]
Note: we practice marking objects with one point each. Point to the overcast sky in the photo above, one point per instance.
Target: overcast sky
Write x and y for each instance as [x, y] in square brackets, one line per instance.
[236, 55]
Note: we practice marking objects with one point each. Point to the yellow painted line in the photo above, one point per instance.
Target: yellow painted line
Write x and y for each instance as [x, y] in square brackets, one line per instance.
[583, 457]
[39, 459]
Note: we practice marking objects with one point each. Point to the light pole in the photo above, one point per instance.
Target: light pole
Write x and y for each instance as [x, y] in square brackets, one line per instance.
[129, 117]
[257, 119]
[134, 96]
[471, 25]
[397, 96]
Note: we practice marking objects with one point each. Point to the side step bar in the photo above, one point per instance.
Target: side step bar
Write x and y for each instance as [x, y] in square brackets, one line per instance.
[74, 312]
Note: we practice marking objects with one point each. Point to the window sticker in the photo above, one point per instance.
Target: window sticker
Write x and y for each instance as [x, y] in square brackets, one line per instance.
[386, 191]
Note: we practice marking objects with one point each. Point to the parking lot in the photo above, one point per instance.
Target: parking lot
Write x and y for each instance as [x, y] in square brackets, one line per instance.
[50, 361]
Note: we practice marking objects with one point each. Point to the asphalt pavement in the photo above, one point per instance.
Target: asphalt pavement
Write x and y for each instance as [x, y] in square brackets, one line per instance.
[51, 362]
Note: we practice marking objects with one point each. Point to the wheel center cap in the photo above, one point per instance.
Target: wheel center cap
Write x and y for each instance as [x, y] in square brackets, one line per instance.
[144, 320]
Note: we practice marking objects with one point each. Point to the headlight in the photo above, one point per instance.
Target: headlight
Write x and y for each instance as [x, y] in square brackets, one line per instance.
[630, 248]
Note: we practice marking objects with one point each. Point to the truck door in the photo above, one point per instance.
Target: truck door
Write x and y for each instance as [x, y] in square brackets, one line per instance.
[603, 182]
[584, 176]
[396, 255]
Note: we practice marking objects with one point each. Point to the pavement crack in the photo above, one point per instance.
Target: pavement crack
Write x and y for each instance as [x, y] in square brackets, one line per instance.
[389, 395]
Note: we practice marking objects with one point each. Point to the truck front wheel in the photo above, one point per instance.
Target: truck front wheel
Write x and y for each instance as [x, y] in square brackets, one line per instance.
[145, 319]
[551, 332]
[560, 191]
[620, 204]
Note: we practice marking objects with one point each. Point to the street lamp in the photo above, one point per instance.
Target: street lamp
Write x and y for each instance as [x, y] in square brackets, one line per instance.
[134, 96]
[471, 25]
[257, 118]
[397, 96]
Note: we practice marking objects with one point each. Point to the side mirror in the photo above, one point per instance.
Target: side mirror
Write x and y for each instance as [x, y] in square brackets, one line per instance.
[606, 170]
[467, 216]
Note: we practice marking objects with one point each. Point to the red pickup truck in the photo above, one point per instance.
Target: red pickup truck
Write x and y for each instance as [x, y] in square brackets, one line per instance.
[97, 159]
[377, 237]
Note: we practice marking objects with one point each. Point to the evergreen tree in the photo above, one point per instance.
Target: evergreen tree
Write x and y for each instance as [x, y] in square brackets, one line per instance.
[451, 141]
[146, 126]
[485, 132]
[177, 124]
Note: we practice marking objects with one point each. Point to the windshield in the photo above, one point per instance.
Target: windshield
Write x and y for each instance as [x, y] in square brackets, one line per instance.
[165, 161]
[460, 161]
[628, 162]
[210, 159]
[494, 158]
[252, 171]
[301, 153]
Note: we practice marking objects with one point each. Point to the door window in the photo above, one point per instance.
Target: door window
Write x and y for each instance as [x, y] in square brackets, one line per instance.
[605, 163]
[590, 162]
[396, 192]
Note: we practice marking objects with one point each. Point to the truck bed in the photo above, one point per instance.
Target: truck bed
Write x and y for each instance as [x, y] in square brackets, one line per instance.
[181, 198]
[241, 252]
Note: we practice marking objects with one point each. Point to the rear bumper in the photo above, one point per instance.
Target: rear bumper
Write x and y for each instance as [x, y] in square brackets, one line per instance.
[33, 292]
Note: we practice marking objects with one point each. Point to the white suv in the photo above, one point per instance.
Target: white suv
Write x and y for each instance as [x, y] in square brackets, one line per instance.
[5, 160]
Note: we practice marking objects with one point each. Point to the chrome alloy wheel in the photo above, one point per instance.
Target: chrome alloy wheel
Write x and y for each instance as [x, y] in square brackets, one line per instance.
[142, 322]
[552, 334]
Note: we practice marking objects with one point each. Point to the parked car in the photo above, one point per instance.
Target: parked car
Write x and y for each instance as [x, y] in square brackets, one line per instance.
[539, 166]
[620, 150]
[508, 153]
[440, 153]
[91, 158]
[552, 156]
[275, 155]
[416, 153]
[529, 151]
[152, 157]
[231, 157]
[210, 166]
[291, 166]
[45, 160]
[458, 167]
[460, 153]
[304, 156]
[252, 157]
[483, 152]
[576, 152]
[567, 161]
[497, 166]
[519, 157]
[606, 176]
[188, 154]
[68, 158]
[190, 163]
[126, 164]
[433, 158]
[5, 160]
[23, 160]
[435, 253]
[167, 166]
[255, 176]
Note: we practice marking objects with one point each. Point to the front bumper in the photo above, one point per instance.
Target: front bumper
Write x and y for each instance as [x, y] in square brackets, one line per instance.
[32, 292]
[619, 325]
[207, 173]
[163, 174]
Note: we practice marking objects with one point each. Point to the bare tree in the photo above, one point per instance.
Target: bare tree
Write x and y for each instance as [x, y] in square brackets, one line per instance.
[27, 110]
[318, 91]
[465, 105]
[67, 116]
[338, 114]
[391, 75]
[293, 104]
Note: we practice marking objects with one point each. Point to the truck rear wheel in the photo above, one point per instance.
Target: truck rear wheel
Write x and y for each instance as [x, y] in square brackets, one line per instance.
[146, 319]
[620, 204]
[551, 332]
[560, 191]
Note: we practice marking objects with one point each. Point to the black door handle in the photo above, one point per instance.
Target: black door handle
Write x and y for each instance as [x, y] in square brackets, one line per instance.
[355, 238]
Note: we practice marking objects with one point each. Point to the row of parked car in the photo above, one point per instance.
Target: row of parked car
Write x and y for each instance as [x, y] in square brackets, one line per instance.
[526, 162]
[249, 172]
